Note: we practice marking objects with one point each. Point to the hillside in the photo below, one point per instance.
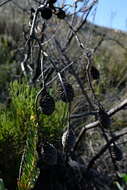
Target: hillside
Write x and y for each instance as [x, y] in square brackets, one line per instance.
[112, 45]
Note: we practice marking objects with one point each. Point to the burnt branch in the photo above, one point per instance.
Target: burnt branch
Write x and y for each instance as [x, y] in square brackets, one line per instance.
[95, 124]
[4, 2]
[87, 10]
[103, 149]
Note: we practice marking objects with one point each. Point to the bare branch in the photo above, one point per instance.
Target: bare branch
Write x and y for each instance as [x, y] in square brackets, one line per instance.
[111, 112]
[72, 71]
[4, 2]
[103, 149]
[83, 114]
[117, 108]
[88, 9]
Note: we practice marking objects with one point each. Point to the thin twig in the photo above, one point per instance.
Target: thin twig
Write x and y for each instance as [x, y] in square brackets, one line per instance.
[96, 123]
[21, 164]
[72, 71]
[103, 149]
[74, 116]
[88, 9]
[4, 2]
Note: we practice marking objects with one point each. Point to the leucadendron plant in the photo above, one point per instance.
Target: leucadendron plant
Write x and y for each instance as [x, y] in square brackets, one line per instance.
[19, 126]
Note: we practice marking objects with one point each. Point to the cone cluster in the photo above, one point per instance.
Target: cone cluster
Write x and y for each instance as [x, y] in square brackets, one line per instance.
[94, 73]
[48, 9]
[116, 152]
[47, 104]
[68, 140]
[104, 118]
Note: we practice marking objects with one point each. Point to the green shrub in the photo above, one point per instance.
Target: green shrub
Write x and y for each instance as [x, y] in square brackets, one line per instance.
[18, 134]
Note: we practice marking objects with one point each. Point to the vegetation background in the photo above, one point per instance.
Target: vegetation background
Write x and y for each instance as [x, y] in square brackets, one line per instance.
[17, 98]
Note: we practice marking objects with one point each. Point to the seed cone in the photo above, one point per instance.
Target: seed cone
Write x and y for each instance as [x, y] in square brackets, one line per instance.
[46, 12]
[68, 140]
[52, 1]
[66, 92]
[94, 73]
[47, 104]
[116, 152]
[61, 13]
[47, 155]
[104, 118]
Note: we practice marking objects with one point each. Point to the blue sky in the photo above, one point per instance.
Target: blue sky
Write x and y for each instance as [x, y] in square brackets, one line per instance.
[111, 13]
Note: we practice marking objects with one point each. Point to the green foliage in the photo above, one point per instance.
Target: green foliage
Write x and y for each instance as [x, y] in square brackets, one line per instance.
[18, 134]
[28, 170]
[2, 185]
[15, 125]
[121, 184]
[123, 176]
[53, 125]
